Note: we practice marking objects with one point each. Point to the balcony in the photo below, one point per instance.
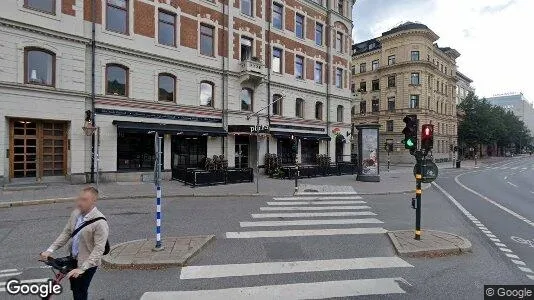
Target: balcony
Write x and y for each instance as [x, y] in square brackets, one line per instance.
[252, 70]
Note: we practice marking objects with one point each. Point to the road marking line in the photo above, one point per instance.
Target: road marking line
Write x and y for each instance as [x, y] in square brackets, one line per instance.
[505, 177]
[10, 274]
[313, 214]
[314, 208]
[526, 270]
[511, 184]
[315, 202]
[8, 270]
[515, 168]
[304, 232]
[317, 198]
[506, 251]
[486, 231]
[500, 244]
[266, 268]
[524, 168]
[313, 290]
[29, 281]
[513, 213]
[495, 240]
[310, 222]
[518, 262]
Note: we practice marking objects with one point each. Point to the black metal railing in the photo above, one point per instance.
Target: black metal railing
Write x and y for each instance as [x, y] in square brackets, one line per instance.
[199, 177]
[308, 171]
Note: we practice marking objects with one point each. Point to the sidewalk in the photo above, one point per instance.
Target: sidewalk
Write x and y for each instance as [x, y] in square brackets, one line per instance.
[398, 180]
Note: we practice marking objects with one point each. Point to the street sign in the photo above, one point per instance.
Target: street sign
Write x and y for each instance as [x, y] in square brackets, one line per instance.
[430, 171]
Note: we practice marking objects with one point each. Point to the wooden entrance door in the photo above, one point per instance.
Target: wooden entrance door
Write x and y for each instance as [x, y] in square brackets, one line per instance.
[53, 149]
[37, 148]
[23, 149]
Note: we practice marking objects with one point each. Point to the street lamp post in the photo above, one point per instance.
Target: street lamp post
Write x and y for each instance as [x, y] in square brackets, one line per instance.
[257, 130]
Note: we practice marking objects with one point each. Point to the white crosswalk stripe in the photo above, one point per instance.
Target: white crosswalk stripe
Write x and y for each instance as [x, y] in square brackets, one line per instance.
[303, 232]
[313, 214]
[315, 202]
[310, 222]
[316, 198]
[197, 272]
[300, 216]
[292, 208]
[313, 290]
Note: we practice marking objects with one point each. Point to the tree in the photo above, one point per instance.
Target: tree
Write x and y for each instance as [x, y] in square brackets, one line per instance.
[485, 124]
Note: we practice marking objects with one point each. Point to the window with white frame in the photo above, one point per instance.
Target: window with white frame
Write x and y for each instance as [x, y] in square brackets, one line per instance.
[318, 72]
[46, 6]
[40, 66]
[277, 60]
[246, 7]
[207, 44]
[117, 16]
[206, 93]
[166, 87]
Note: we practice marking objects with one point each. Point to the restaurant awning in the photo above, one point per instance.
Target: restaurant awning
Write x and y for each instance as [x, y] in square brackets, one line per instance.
[170, 128]
[300, 135]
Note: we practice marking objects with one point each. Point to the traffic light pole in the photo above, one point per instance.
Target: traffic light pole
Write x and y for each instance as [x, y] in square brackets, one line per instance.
[419, 168]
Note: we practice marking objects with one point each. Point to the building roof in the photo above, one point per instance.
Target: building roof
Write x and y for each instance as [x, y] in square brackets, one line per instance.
[464, 78]
[367, 46]
[405, 26]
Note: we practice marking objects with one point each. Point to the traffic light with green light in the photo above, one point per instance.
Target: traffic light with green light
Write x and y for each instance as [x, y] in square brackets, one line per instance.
[410, 132]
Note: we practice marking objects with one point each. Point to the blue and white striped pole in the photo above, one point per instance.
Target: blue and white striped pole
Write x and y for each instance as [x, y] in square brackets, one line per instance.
[157, 183]
[158, 216]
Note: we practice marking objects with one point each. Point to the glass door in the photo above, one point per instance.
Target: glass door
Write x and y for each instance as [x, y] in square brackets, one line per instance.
[241, 155]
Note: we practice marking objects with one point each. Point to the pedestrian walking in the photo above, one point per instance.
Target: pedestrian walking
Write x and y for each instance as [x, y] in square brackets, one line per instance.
[86, 237]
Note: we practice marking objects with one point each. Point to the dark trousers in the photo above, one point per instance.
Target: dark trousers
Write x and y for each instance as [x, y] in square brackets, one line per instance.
[80, 285]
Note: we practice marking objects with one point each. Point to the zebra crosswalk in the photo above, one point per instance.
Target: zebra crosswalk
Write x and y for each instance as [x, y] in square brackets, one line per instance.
[304, 217]
[7, 274]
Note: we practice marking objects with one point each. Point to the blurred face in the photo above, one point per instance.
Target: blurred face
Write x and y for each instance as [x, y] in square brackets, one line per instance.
[85, 201]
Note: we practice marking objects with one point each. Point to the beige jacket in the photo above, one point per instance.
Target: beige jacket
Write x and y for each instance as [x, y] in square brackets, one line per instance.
[93, 239]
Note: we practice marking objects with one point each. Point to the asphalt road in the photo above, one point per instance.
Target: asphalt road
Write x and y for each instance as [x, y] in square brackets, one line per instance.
[337, 260]
[500, 197]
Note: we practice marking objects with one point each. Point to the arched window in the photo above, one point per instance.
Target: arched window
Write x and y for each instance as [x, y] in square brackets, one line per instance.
[206, 93]
[340, 113]
[40, 66]
[319, 110]
[246, 99]
[166, 87]
[116, 80]
[299, 108]
[277, 104]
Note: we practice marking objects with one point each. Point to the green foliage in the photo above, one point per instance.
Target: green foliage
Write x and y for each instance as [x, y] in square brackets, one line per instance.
[485, 124]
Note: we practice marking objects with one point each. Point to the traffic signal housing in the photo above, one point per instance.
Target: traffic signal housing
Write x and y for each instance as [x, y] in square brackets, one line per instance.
[427, 137]
[410, 132]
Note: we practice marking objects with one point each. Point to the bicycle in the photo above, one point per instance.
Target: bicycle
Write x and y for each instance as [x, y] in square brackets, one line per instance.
[521, 240]
[60, 267]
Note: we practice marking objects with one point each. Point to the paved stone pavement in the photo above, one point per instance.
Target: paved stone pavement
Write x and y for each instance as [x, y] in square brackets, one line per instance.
[139, 254]
[432, 243]
[398, 180]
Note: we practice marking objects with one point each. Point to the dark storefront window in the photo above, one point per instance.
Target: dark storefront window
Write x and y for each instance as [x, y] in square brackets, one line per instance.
[286, 151]
[135, 151]
[189, 152]
[309, 149]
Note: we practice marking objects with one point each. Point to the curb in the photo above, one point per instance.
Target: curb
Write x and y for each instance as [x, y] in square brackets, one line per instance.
[147, 266]
[9, 204]
[453, 249]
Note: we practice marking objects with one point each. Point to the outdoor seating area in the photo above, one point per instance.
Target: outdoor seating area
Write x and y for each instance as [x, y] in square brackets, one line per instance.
[212, 171]
[323, 167]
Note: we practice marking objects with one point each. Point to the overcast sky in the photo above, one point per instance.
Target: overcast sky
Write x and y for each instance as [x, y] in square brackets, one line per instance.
[494, 37]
